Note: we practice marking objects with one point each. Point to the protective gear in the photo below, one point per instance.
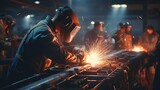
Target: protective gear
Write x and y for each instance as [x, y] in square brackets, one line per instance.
[123, 37]
[128, 28]
[128, 41]
[127, 24]
[99, 26]
[99, 30]
[97, 34]
[128, 37]
[121, 25]
[70, 23]
[48, 63]
[6, 22]
[39, 44]
[8, 19]
[119, 37]
[81, 53]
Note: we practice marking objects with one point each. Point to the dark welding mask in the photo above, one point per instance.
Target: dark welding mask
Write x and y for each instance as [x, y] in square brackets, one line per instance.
[99, 28]
[128, 27]
[10, 22]
[70, 23]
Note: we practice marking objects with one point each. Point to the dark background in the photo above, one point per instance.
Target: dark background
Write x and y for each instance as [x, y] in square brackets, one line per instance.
[138, 12]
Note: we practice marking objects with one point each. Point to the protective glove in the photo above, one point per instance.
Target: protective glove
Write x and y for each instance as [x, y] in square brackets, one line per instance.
[81, 54]
[47, 63]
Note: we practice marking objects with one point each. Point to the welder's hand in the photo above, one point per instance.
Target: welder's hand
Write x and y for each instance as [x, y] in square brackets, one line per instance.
[48, 63]
[82, 55]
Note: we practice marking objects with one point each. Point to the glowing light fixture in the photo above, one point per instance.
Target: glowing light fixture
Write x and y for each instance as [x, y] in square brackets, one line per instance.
[116, 6]
[123, 5]
[37, 2]
[92, 22]
[119, 6]
[29, 16]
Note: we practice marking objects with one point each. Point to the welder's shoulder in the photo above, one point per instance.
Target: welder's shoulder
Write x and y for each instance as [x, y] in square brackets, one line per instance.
[42, 32]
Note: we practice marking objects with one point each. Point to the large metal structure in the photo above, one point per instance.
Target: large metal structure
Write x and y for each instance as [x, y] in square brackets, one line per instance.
[119, 73]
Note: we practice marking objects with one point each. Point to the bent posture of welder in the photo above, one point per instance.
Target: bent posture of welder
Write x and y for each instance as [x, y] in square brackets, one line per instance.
[97, 34]
[128, 37]
[148, 41]
[44, 43]
[119, 37]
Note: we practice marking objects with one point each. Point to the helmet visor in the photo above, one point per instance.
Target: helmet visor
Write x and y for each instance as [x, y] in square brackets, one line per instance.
[73, 31]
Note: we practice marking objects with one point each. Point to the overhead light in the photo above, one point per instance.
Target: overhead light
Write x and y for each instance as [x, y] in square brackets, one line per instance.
[101, 22]
[123, 5]
[116, 6]
[56, 10]
[37, 2]
[29, 16]
[119, 5]
[92, 22]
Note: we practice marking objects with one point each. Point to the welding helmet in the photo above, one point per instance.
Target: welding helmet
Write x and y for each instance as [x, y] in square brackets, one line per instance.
[121, 24]
[99, 29]
[8, 19]
[128, 24]
[128, 27]
[70, 23]
[99, 26]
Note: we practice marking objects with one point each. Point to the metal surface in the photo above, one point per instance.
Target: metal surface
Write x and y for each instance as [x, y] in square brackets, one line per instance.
[117, 73]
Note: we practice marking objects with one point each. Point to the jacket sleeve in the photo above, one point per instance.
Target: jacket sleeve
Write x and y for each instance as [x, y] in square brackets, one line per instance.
[60, 55]
[55, 52]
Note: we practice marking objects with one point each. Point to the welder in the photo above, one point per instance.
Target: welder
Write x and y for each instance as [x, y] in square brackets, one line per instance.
[128, 37]
[6, 24]
[43, 44]
[148, 41]
[119, 36]
[97, 34]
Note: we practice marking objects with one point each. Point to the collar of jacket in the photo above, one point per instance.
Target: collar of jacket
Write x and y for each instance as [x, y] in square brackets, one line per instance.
[50, 23]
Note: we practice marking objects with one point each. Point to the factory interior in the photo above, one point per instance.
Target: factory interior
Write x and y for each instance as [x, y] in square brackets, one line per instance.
[80, 45]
